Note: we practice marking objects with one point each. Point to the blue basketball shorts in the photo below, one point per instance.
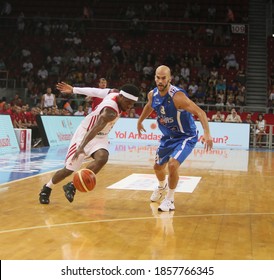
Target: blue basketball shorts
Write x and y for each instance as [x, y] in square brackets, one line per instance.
[177, 148]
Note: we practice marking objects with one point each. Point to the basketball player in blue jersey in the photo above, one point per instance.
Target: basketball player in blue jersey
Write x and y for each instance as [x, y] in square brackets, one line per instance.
[174, 116]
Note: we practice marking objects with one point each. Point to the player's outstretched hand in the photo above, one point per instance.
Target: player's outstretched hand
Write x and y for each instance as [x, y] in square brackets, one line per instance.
[64, 87]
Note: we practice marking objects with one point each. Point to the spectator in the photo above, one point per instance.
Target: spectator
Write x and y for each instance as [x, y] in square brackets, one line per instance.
[97, 100]
[130, 12]
[212, 81]
[248, 119]
[148, 71]
[27, 66]
[229, 104]
[17, 117]
[218, 38]
[3, 104]
[25, 53]
[231, 61]
[3, 66]
[271, 97]
[214, 74]
[66, 106]
[227, 36]
[218, 117]
[147, 10]
[163, 9]
[48, 99]
[229, 17]
[4, 108]
[271, 77]
[216, 60]
[111, 40]
[80, 111]
[42, 74]
[193, 86]
[195, 11]
[221, 95]
[87, 12]
[117, 52]
[16, 100]
[89, 77]
[96, 62]
[132, 113]
[6, 9]
[197, 60]
[203, 73]
[139, 64]
[260, 129]
[200, 94]
[21, 22]
[240, 75]
[240, 97]
[221, 85]
[210, 98]
[211, 13]
[185, 72]
[233, 117]
[233, 87]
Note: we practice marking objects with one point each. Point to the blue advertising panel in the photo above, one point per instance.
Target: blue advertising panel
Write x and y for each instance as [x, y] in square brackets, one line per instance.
[8, 140]
[60, 129]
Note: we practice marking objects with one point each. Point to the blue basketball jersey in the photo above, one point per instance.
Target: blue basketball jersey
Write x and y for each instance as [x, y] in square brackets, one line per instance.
[172, 122]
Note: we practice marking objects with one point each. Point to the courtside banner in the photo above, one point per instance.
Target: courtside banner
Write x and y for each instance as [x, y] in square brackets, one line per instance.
[58, 130]
[225, 135]
[8, 141]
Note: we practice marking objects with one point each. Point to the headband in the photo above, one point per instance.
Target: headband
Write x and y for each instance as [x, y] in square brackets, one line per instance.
[128, 95]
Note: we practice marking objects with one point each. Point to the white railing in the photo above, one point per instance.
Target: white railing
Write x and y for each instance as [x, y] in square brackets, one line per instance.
[267, 139]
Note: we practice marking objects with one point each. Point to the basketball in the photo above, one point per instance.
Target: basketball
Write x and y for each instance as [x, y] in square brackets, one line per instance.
[84, 180]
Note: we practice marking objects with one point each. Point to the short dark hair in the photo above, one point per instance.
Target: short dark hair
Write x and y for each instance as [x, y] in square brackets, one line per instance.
[132, 89]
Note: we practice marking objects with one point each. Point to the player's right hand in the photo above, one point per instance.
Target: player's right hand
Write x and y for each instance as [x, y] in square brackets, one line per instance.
[64, 87]
[140, 128]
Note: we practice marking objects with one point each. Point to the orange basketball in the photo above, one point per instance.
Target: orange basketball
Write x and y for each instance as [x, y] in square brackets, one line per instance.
[84, 180]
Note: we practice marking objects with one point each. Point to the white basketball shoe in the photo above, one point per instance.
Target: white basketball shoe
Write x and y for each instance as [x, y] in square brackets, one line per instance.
[158, 193]
[166, 205]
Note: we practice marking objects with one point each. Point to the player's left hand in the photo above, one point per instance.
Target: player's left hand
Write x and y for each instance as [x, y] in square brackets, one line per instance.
[208, 142]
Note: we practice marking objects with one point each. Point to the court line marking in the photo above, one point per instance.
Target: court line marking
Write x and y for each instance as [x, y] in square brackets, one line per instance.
[131, 219]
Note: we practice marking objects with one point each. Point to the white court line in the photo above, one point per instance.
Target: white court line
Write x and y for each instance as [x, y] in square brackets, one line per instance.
[130, 219]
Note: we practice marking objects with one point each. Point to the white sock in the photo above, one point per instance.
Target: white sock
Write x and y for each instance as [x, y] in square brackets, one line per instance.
[170, 194]
[49, 184]
[162, 184]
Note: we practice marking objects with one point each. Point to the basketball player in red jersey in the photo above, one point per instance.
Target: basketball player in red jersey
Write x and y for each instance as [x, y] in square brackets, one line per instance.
[91, 137]
[97, 100]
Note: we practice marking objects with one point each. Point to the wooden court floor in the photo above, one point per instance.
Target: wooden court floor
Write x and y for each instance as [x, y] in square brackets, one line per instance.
[229, 216]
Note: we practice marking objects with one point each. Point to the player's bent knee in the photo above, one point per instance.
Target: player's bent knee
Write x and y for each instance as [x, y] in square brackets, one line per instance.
[102, 160]
[173, 166]
[158, 167]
